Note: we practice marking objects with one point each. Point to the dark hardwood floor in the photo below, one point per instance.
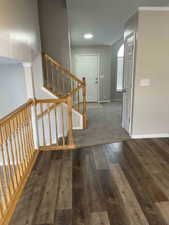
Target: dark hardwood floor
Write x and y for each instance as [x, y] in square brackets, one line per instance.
[123, 183]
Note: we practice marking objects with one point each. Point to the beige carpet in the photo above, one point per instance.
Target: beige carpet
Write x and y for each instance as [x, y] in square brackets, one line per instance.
[104, 126]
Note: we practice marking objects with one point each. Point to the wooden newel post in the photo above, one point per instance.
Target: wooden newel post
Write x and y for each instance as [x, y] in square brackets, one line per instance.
[35, 124]
[70, 121]
[85, 125]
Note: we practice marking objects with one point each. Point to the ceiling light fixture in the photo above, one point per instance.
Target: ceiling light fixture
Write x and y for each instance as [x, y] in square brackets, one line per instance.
[88, 36]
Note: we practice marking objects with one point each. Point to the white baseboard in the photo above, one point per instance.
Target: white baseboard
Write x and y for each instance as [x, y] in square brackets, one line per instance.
[104, 101]
[77, 128]
[150, 136]
[163, 8]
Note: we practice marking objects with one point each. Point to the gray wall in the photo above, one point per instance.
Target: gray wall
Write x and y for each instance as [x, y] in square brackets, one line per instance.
[54, 30]
[12, 87]
[115, 96]
[105, 53]
[19, 29]
[131, 25]
[151, 102]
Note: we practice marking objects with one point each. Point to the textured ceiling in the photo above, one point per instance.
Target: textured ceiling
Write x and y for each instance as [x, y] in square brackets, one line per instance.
[103, 18]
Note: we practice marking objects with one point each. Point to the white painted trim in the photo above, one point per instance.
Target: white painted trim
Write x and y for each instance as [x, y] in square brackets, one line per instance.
[150, 136]
[80, 120]
[35, 127]
[78, 128]
[153, 8]
[49, 93]
[29, 81]
[27, 64]
[104, 101]
[98, 77]
[129, 130]
[31, 94]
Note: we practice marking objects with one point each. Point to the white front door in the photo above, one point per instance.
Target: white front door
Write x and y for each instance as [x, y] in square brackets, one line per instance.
[87, 65]
[129, 61]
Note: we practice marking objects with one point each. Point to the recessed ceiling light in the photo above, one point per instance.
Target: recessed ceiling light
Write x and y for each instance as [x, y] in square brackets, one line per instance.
[88, 36]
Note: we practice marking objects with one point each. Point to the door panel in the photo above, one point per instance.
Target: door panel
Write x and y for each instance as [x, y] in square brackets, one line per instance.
[88, 66]
[129, 60]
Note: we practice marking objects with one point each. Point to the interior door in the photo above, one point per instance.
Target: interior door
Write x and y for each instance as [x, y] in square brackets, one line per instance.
[129, 64]
[86, 65]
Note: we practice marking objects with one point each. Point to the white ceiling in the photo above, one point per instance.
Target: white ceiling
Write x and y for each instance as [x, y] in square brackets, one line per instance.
[103, 18]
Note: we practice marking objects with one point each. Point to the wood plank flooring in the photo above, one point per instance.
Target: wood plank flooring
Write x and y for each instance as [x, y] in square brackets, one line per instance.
[124, 183]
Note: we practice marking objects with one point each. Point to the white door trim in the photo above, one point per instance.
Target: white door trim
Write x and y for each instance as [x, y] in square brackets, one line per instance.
[132, 85]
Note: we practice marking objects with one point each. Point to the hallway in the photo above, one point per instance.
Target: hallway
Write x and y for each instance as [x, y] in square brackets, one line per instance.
[104, 125]
[114, 184]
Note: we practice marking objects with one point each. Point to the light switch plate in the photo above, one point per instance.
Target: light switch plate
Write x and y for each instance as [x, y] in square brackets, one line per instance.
[145, 82]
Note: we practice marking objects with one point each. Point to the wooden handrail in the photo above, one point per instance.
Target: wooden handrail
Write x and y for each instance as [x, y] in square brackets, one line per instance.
[17, 150]
[59, 66]
[75, 90]
[70, 121]
[85, 121]
[13, 113]
[54, 132]
[52, 100]
[18, 154]
[40, 115]
[62, 83]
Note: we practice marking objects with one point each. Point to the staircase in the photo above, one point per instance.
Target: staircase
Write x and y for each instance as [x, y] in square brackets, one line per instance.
[62, 83]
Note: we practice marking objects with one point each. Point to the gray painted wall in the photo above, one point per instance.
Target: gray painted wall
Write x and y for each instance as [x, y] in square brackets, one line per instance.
[13, 88]
[54, 30]
[131, 25]
[19, 29]
[105, 53]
